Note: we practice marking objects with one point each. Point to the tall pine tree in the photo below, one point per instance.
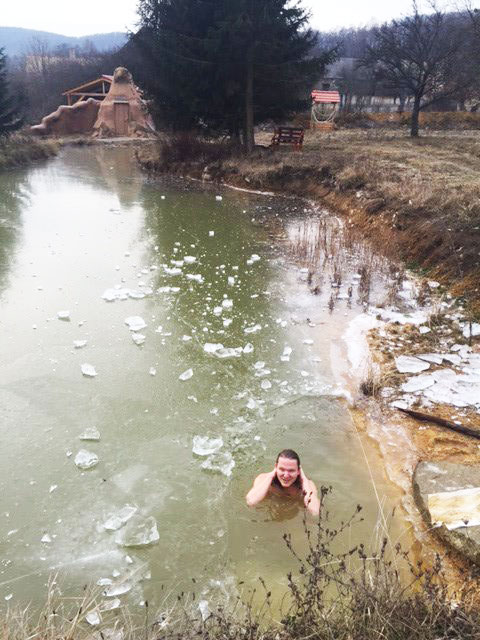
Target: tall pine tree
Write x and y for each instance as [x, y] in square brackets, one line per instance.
[10, 119]
[227, 64]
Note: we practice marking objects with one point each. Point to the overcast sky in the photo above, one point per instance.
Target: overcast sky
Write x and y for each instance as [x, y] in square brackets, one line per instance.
[86, 17]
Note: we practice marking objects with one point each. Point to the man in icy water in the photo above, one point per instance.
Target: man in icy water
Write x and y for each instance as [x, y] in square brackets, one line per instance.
[287, 480]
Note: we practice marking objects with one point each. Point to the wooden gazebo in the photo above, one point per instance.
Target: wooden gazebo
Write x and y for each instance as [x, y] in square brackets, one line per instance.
[96, 89]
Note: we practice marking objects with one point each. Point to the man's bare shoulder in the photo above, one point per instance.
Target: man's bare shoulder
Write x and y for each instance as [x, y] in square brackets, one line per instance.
[260, 477]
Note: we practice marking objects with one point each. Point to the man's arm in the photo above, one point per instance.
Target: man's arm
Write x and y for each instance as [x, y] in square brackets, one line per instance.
[310, 495]
[260, 489]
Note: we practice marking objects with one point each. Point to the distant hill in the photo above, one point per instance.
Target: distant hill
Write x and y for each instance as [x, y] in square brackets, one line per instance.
[17, 41]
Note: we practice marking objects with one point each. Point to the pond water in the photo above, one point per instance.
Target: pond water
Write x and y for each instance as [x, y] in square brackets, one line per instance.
[199, 267]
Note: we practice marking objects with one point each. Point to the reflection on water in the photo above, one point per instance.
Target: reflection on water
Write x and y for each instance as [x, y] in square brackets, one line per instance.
[14, 196]
[217, 296]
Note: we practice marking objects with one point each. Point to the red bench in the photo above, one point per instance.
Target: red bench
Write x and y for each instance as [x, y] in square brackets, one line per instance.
[288, 135]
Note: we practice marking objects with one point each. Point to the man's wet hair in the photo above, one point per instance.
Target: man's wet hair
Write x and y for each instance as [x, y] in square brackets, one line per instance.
[290, 454]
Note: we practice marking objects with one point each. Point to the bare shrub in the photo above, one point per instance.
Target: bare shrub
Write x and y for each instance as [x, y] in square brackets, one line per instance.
[189, 147]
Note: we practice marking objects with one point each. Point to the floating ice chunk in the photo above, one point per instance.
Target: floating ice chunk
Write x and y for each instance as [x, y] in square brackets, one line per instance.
[308, 341]
[186, 338]
[218, 311]
[46, 538]
[195, 276]
[227, 303]
[219, 198]
[152, 371]
[211, 233]
[471, 330]
[266, 384]
[135, 323]
[304, 374]
[86, 459]
[118, 589]
[192, 398]
[88, 370]
[110, 295]
[212, 347]
[433, 284]
[251, 404]
[231, 280]
[203, 607]
[112, 604]
[229, 352]
[90, 433]
[254, 257]
[79, 344]
[52, 488]
[104, 582]
[259, 364]
[287, 351]
[138, 532]
[418, 383]
[222, 462]
[63, 315]
[410, 364]
[435, 358]
[248, 348]
[172, 271]
[93, 618]
[138, 338]
[205, 446]
[423, 330]
[189, 259]
[8, 597]
[186, 375]
[445, 375]
[118, 519]
[253, 329]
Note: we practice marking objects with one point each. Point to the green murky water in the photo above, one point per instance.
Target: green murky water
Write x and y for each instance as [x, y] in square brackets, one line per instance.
[86, 223]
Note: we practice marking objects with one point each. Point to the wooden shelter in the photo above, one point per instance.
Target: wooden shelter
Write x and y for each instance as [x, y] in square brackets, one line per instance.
[96, 89]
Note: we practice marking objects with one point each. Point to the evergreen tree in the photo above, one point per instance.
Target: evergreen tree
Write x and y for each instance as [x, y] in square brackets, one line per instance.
[10, 119]
[227, 64]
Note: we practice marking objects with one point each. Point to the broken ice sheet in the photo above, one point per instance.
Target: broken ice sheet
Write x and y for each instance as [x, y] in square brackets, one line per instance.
[204, 609]
[90, 433]
[117, 589]
[222, 462]
[410, 364]
[212, 347]
[88, 370]
[186, 375]
[135, 323]
[93, 618]
[79, 344]
[111, 604]
[116, 520]
[435, 358]
[248, 348]
[195, 276]
[189, 259]
[86, 459]
[253, 329]
[138, 532]
[418, 383]
[205, 446]
[138, 338]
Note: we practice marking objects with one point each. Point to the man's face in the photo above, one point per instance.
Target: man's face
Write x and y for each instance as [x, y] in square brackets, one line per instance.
[287, 471]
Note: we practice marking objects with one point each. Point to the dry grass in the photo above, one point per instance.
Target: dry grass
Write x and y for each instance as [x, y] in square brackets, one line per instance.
[335, 592]
[18, 150]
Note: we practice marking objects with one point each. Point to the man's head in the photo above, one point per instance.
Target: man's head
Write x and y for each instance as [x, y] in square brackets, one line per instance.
[287, 466]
